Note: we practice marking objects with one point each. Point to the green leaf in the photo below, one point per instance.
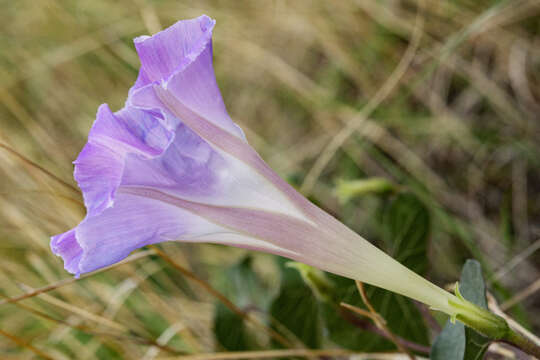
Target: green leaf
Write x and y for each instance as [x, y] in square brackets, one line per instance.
[344, 328]
[450, 344]
[472, 285]
[457, 342]
[296, 308]
[403, 318]
[473, 288]
[406, 225]
[230, 330]
[241, 285]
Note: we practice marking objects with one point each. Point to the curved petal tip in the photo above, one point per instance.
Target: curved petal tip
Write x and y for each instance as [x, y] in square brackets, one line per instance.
[172, 48]
[66, 246]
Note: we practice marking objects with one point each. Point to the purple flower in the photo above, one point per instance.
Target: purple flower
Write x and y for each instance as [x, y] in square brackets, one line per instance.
[172, 165]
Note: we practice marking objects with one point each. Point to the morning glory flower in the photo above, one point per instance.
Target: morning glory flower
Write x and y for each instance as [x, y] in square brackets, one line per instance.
[172, 166]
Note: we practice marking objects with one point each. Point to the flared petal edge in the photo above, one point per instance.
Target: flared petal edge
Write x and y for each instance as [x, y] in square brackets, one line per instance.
[100, 165]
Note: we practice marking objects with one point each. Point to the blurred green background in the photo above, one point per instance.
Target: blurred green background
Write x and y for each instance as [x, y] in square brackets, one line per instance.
[439, 98]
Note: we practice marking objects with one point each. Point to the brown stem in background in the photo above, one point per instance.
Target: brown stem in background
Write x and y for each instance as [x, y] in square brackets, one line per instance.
[25, 345]
[518, 335]
[517, 339]
[427, 316]
[368, 326]
[379, 321]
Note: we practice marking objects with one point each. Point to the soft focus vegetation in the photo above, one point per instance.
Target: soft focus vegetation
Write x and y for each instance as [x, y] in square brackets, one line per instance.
[413, 122]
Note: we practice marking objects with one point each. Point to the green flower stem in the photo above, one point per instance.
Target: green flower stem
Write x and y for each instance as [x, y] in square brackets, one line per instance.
[520, 341]
[480, 319]
[490, 325]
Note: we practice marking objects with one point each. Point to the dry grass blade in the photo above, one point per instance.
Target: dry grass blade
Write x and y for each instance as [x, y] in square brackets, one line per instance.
[521, 295]
[274, 354]
[61, 283]
[412, 346]
[29, 162]
[379, 321]
[356, 122]
[278, 337]
[81, 312]
[456, 125]
[90, 330]
[162, 340]
[375, 317]
[25, 345]
[516, 260]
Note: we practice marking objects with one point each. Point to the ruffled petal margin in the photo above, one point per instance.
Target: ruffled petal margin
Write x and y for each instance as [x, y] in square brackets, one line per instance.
[117, 224]
[180, 59]
[99, 169]
[143, 144]
[100, 165]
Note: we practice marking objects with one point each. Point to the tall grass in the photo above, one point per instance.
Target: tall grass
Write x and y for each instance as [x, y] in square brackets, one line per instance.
[441, 97]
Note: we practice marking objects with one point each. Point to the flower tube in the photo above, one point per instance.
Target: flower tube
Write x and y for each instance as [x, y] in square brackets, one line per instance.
[172, 166]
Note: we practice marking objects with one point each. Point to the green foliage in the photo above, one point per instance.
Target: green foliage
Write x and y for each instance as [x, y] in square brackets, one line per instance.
[356, 333]
[459, 130]
[450, 344]
[296, 308]
[347, 189]
[406, 226]
[346, 329]
[457, 342]
[242, 286]
[230, 330]
[407, 222]
[316, 279]
[472, 285]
